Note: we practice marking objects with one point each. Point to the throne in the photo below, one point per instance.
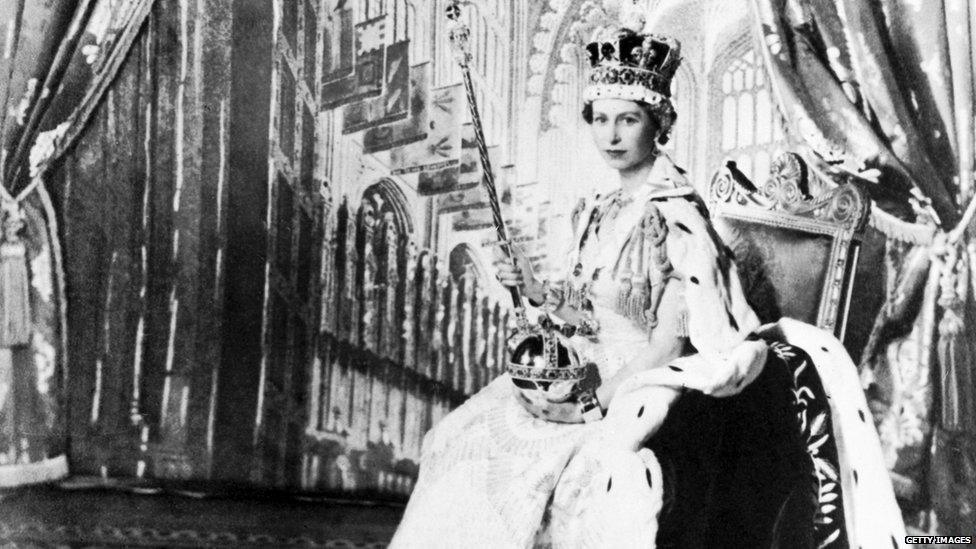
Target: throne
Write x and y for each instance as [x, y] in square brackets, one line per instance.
[796, 255]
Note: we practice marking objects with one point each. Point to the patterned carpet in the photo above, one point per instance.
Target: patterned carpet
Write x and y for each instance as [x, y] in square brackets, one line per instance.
[88, 517]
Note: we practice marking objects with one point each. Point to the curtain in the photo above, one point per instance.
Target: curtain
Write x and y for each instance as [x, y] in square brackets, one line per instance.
[63, 57]
[58, 59]
[881, 92]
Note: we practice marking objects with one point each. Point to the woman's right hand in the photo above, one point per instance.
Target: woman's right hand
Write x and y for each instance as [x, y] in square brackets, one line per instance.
[516, 272]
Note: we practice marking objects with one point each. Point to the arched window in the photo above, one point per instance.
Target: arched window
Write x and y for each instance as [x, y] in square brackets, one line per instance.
[750, 133]
[386, 197]
[462, 260]
[384, 229]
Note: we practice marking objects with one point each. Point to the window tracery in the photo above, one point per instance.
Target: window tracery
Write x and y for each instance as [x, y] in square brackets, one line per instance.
[751, 133]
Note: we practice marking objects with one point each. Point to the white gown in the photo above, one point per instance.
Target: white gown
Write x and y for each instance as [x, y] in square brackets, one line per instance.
[492, 475]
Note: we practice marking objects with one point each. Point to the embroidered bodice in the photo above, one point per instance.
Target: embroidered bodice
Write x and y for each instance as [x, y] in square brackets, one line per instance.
[647, 268]
[610, 280]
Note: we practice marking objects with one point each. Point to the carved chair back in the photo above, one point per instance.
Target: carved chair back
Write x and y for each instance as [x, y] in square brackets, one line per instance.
[796, 253]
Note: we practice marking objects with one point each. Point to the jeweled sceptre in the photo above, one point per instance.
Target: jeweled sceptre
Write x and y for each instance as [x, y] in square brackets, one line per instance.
[544, 367]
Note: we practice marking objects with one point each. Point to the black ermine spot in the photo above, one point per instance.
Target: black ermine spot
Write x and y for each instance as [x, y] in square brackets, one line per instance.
[609, 483]
[676, 369]
[732, 322]
[640, 412]
[694, 280]
[683, 227]
[647, 473]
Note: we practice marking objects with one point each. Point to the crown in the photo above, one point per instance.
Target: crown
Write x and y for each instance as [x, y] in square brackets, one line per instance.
[633, 66]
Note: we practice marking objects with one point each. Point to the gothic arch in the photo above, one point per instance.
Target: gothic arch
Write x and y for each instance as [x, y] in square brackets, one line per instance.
[553, 26]
[728, 48]
[463, 257]
[385, 196]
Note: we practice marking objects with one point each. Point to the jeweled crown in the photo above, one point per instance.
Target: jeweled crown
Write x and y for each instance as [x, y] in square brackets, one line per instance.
[633, 66]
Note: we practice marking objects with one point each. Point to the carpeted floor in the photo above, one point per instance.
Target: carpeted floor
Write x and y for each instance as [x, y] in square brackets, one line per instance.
[63, 516]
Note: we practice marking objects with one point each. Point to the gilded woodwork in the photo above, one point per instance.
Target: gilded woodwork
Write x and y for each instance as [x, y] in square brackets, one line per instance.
[765, 225]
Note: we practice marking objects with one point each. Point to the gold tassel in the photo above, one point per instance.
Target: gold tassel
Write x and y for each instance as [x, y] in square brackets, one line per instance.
[637, 302]
[623, 295]
[15, 313]
[684, 330]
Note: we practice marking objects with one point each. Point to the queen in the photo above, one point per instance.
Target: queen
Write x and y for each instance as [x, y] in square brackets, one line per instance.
[681, 422]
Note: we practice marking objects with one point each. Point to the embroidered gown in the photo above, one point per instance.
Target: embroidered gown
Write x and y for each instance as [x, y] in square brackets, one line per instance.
[492, 475]
[490, 471]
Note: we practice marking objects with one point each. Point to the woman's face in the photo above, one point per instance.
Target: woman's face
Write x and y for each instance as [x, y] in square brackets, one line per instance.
[623, 132]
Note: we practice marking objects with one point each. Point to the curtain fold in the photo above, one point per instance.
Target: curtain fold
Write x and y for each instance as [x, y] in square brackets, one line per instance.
[41, 48]
[58, 60]
[33, 436]
[883, 90]
[66, 56]
[36, 29]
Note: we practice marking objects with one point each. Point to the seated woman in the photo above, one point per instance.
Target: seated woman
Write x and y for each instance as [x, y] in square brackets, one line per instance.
[639, 459]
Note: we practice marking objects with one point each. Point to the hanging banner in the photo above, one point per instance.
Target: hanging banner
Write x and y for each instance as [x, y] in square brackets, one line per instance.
[464, 180]
[456, 201]
[442, 147]
[392, 105]
[414, 127]
[470, 169]
[367, 78]
[438, 180]
[474, 199]
[338, 56]
[474, 220]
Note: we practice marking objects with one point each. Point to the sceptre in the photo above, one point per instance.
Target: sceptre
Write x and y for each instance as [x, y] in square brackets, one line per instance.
[546, 370]
[459, 35]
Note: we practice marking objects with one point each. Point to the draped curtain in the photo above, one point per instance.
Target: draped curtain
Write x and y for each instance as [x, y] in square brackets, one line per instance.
[61, 58]
[58, 60]
[881, 92]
